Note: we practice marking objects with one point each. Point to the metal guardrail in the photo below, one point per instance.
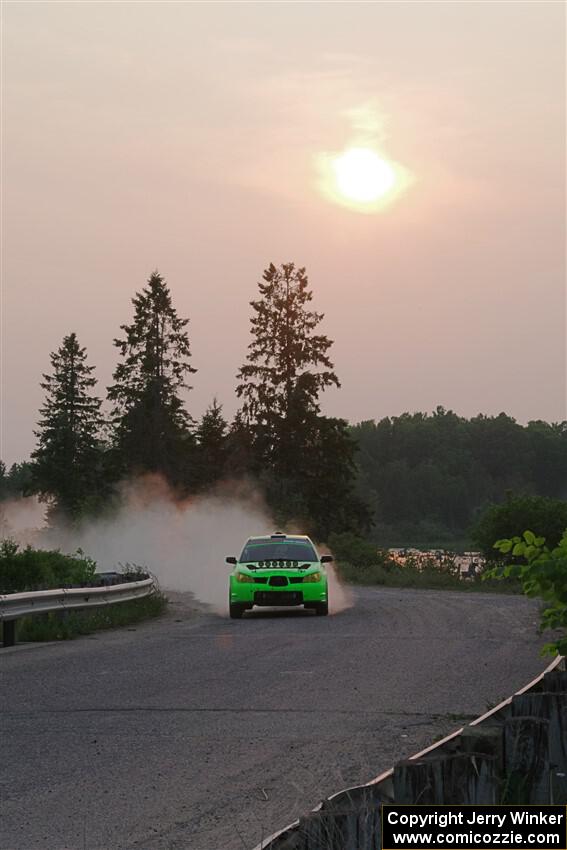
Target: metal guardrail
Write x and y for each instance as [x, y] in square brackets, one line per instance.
[13, 606]
[350, 819]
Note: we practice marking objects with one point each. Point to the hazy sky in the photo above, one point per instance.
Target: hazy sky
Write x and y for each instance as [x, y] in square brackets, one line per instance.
[188, 136]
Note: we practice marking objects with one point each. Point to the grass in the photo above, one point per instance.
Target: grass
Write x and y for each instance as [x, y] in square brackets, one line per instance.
[427, 579]
[55, 626]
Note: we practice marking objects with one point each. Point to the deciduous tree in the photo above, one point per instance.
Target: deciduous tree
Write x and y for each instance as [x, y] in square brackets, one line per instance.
[516, 513]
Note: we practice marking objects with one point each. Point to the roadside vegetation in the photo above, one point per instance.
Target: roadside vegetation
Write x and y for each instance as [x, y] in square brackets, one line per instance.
[542, 572]
[359, 562]
[429, 577]
[57, 626]
[516, 513]
[42, 569]
[30, 569]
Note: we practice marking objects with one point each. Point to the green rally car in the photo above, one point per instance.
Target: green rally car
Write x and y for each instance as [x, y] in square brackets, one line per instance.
[279, 569]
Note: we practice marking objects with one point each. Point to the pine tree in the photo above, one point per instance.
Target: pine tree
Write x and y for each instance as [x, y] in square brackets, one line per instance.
[18, 481]
[239, 461]
[287, 365]
[152, 429]
[305, 460]
[67, 468]
[329, 482]
[212, 444]
[5, 490]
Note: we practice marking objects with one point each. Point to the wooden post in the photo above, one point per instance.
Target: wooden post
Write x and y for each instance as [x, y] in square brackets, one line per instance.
[556, 681]
[526, 760]
[356, 814]
[552, 707]
[483, 740]
[317, 830]
[465, 778]
[558, 787]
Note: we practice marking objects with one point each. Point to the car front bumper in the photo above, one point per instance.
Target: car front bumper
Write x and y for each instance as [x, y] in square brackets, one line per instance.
[264, 594]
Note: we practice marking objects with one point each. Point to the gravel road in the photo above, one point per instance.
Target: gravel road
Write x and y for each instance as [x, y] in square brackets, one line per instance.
[195, 732]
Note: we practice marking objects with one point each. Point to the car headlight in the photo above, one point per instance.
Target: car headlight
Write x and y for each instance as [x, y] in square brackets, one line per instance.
[312, 577]
[244, 577]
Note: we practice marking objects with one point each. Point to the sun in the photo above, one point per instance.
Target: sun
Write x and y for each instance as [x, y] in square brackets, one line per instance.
[362, 176]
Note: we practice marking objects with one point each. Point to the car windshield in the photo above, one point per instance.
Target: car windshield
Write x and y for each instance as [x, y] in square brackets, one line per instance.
[277, 550]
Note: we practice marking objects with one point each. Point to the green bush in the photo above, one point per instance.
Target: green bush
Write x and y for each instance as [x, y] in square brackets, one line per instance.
[355, 550]
[38, 569]
[542, 573]
[503, 521]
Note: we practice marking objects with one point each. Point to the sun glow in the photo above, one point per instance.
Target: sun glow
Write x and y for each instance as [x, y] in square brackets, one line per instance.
[361, 179]
[362, 176]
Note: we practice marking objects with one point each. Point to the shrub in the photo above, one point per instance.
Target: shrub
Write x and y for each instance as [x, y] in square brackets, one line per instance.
[426, 572]
[542, 573]
[355, 550]
[503, 521]
[38, 569]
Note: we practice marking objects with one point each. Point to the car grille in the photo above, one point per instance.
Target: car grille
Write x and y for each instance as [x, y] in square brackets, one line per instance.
[278, 581]
[260, 580]
[295, 579]
[275, 597]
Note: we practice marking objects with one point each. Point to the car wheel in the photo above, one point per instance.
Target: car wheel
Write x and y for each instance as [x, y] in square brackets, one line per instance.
[236, 610]
[322, 608]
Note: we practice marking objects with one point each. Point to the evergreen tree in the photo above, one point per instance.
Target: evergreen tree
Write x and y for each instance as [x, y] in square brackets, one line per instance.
[211, 445]
[239, 460]
[16, 482]
[287, 366]
[5, 489]
[151, 426]
[67, 468]
[305, 460]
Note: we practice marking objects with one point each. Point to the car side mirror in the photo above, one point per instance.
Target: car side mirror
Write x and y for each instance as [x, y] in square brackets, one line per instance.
[230, 560]
[326, 559]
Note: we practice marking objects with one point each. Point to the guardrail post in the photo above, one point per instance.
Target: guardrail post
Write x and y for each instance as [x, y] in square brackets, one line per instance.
[9, 632]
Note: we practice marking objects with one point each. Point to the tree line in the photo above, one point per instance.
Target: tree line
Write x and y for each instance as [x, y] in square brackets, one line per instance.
[429, 478]
[304, 462]
[417, 479]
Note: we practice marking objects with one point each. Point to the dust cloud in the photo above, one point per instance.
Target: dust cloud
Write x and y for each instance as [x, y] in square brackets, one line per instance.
[21, 520]
[183, 542]
[340, 595]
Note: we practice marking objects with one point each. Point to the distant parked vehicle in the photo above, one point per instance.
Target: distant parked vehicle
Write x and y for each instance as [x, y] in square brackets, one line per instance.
[278, 570]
